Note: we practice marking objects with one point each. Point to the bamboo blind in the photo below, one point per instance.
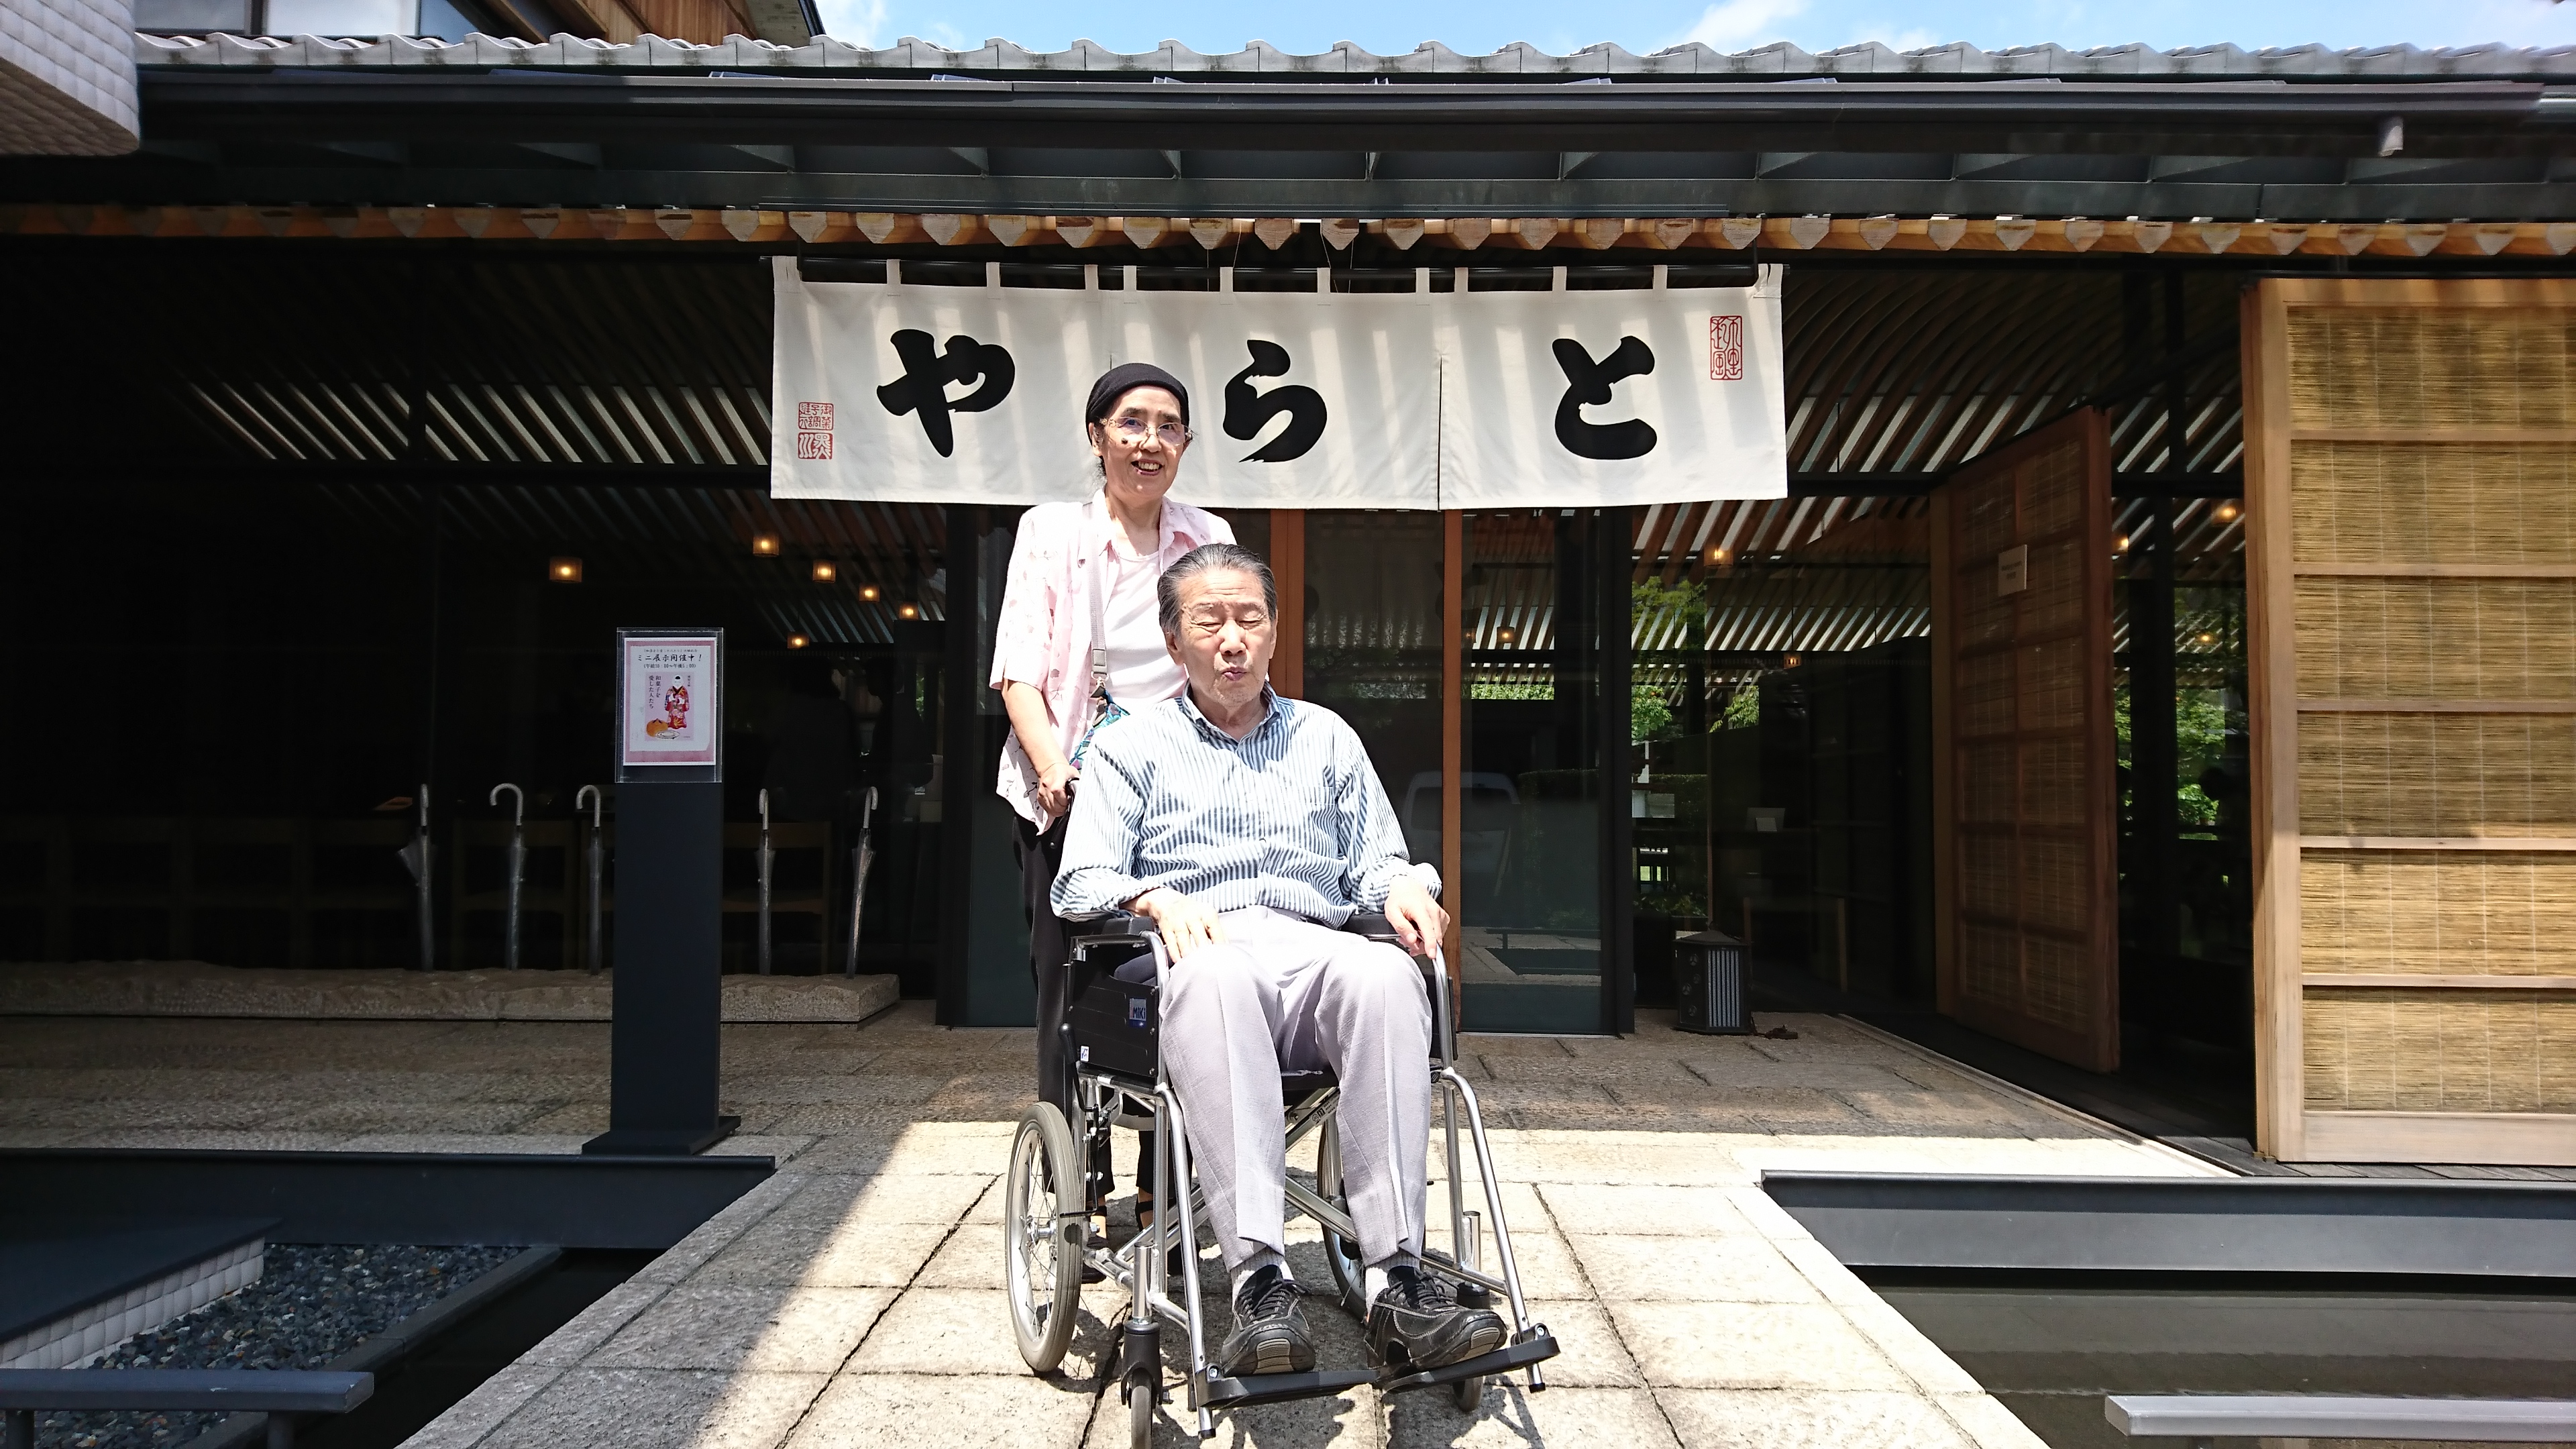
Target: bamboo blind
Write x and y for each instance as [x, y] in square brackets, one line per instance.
[2415, 486]
[2441, 1051]
[2447, 503]
[2431, 365]
[2495, 775]
[2028, 898]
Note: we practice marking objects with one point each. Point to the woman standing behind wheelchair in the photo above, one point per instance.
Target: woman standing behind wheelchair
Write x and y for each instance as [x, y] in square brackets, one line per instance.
[1079, 643]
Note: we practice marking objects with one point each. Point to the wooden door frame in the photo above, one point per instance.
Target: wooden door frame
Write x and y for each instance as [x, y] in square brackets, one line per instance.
[2272, 726]
[2100, 1051]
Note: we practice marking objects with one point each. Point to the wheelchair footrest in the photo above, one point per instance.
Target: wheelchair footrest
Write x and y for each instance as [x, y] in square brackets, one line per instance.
[1278, 1388]
[1537, 1348]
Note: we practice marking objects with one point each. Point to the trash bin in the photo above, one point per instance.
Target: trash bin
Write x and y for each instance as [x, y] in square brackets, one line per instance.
[1708, 985]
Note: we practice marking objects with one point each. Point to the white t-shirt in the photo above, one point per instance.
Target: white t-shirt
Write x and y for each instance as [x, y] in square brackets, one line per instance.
[1141, 671]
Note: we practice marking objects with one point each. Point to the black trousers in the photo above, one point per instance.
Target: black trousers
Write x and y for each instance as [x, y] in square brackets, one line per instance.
[1041, 855]
[1051, 964]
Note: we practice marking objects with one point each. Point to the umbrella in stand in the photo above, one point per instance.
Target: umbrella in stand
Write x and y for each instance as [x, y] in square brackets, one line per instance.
[767, 856]
[862, 855]
[415, 858]
[518, 861]
[595, 859]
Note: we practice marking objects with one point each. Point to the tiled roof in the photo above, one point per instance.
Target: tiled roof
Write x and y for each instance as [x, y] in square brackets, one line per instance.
[1431, 60]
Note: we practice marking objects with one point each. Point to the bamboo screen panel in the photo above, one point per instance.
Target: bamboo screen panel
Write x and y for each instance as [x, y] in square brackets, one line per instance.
[2028, 901]
[2413, 560]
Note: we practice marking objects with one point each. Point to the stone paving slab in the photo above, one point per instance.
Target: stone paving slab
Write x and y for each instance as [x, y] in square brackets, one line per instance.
[854, 1298]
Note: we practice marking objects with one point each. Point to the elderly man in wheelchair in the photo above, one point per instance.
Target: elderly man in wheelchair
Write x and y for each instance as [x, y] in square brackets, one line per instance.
[1245, 930]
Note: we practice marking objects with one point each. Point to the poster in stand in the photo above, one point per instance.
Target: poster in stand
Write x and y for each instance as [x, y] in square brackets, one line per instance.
[667, 1003]
[670, 689]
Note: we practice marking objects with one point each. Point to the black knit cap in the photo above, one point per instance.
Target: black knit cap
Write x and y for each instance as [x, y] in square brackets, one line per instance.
[1126, 377]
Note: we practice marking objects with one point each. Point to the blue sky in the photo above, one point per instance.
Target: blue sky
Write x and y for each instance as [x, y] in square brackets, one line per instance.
[1388, 26]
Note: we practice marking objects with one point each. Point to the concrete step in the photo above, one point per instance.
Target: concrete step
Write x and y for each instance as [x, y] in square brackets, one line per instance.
[195, 988]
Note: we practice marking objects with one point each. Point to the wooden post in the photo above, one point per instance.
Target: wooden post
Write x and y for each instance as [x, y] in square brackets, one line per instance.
[2272, 720]
[1288, 566]
[1453, 721]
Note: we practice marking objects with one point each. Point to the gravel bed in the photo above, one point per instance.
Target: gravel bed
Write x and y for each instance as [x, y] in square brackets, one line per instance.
[312, 1303]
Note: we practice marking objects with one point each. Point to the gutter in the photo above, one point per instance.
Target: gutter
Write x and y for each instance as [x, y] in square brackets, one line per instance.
[2247, 118]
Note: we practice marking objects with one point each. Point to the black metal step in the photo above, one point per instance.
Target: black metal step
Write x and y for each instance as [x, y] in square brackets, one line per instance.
[1537, 1348]
[1279, 1388]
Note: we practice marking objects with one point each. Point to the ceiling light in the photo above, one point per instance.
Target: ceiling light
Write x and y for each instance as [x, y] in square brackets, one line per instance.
[564, 570]
[765, 545]
[2120, 544]
[1790, 662]
[868, 593]
[2227, 512]
[825, 571]
[908, 611]
[1719, 557]
[797, 641]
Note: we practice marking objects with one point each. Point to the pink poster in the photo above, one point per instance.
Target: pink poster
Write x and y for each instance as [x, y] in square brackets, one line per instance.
[670, 711]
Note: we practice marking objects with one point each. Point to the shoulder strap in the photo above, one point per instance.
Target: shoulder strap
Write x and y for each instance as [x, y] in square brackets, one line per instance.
[1099, 609]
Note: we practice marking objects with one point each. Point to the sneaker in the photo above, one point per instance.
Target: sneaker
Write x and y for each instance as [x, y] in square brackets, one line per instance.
[1269, 1329]
[1418, 1323]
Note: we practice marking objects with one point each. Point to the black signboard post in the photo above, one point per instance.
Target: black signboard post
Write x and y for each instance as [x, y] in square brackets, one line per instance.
[665, 1040]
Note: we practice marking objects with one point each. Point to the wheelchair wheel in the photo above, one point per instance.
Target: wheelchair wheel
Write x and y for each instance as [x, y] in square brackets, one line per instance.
[1350, 1275]
[1041, 1244]
[1140, 1416]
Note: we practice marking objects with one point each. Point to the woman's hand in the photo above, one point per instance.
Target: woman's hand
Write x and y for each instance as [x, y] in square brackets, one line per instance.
[1055, 787]
[1036, 730]
[1187, 923]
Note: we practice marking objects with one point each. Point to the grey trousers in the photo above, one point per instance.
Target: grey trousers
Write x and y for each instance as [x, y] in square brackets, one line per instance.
[1284, 994]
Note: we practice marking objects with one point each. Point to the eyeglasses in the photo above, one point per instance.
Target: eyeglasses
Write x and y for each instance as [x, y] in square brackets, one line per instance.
[1133, 429]
[1209, 623]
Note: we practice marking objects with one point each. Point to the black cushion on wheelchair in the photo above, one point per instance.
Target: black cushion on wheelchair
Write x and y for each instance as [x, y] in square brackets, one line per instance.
[1295, 1087]
[1115, 1009]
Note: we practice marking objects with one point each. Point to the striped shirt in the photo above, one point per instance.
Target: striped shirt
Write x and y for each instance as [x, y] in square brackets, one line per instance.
[1291, 816]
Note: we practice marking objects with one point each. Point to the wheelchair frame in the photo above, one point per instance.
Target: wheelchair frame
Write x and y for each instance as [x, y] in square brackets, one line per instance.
[1046, 1153]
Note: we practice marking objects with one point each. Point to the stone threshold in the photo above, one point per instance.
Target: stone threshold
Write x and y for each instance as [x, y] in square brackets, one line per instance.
[198, 989]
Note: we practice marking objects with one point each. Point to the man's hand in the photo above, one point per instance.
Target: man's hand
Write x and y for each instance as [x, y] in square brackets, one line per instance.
[1055, 787]
[1187, 923]
[1418, 920]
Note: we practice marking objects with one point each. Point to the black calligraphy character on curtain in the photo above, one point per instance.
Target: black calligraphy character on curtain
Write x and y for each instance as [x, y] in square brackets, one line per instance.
[1588, 383]
[1248, 412]
[923, 388]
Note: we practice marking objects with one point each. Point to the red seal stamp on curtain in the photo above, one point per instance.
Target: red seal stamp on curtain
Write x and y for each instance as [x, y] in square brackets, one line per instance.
[1726, 349]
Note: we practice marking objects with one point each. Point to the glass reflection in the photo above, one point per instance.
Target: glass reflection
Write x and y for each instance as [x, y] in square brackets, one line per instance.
[1530, 828]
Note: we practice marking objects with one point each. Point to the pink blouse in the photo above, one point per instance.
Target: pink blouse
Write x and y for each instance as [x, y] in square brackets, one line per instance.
[1043, 636]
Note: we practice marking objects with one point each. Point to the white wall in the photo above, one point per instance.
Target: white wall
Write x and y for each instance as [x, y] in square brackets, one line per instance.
[67, 77]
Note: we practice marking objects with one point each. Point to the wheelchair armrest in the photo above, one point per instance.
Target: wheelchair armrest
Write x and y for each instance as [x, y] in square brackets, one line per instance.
[1372, 924]
[1110, 925]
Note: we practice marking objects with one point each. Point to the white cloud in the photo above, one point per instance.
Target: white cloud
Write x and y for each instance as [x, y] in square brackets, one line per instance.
[1741, 24]
[858, 22]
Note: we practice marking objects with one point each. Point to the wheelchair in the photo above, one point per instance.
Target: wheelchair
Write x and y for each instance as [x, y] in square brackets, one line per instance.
[1120, 965]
